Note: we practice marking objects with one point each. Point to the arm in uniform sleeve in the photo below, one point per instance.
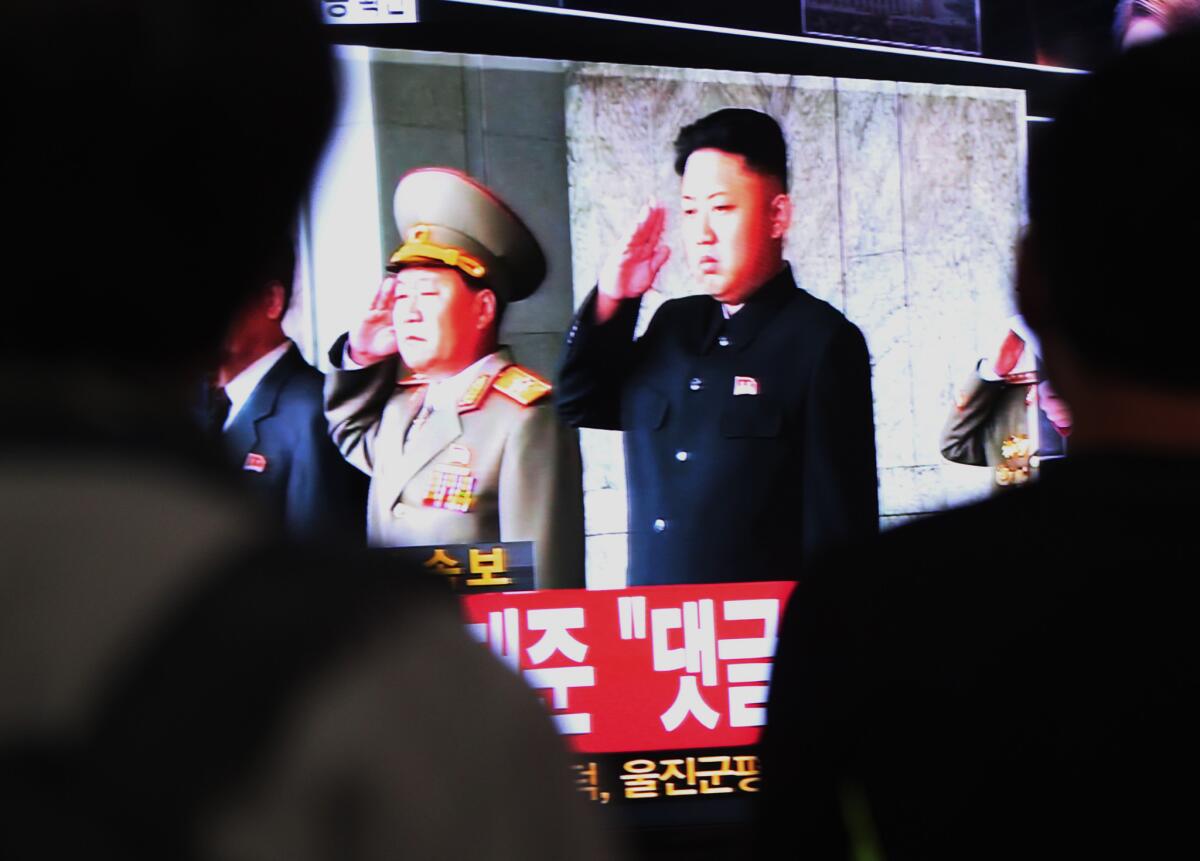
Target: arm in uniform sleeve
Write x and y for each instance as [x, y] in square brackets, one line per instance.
[596, 359]
[354, 402]
[966, 433]
[541, 496]
[840, 493]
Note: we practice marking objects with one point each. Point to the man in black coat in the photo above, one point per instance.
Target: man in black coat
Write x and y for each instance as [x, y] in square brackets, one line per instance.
[749, 432]
[975, 685]
[269, 409]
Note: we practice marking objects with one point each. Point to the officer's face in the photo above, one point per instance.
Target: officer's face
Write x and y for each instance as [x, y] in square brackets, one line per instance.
[734, 219]
[441, 324]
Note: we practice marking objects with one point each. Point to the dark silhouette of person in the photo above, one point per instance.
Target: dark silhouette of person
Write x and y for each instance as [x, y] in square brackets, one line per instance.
[968, 686]
[178, 679]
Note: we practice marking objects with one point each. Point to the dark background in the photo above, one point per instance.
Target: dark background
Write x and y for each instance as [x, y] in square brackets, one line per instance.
[1047, 34]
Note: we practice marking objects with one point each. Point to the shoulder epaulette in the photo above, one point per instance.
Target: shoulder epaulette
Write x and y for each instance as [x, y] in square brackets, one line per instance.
[474, 394]
[521, 385]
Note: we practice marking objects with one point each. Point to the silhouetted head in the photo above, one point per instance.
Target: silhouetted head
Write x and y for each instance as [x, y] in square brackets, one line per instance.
[1109, 265]
[154, 153]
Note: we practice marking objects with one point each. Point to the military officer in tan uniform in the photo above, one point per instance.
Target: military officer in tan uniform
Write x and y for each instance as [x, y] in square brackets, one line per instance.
[461, 443]
[1003, 417]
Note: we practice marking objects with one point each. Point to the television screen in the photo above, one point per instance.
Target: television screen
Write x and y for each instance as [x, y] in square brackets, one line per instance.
[906, 203]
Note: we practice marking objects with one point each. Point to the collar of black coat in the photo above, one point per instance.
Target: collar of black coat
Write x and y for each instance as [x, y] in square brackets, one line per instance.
[743, 327]
[242, 433]
[265, 396]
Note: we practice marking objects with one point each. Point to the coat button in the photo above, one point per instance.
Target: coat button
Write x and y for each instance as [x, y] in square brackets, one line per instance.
[695, 384]
[723, 341]
[681, 456]
[660, 525]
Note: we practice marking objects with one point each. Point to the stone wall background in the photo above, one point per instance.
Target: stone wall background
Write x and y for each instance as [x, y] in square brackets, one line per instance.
[908, 202]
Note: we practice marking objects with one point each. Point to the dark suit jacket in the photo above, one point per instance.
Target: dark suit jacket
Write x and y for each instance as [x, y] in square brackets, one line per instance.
[726, 486]
[304, 478]
[975, 686]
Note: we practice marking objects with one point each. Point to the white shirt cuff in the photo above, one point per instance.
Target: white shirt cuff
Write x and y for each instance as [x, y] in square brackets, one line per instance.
[984, 368]
[348, 363]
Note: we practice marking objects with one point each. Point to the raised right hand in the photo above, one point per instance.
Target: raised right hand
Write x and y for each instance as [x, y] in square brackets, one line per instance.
[374, 338]
[631, 267]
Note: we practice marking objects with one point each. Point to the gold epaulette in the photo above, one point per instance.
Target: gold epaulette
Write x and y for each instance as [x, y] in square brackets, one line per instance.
[473, 396]
[521, 385]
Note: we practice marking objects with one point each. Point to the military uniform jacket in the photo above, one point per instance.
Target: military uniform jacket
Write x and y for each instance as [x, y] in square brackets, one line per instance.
[990, 426]
[990, 418]
[525, 466]
[280, 442]
[749, 442]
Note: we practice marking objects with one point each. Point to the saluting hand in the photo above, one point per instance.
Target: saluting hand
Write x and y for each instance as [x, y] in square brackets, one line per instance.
[374, 338]
[634, 263]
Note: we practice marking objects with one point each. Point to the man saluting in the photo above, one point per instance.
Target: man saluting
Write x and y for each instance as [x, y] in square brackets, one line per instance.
[749, 434]
[461, 443]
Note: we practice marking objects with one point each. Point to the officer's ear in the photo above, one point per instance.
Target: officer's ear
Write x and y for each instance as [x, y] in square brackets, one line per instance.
[486, 306]
[781, 215]
[275, 301]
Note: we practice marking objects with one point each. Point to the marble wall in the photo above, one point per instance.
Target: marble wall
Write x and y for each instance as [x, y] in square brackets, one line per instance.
[908, 201]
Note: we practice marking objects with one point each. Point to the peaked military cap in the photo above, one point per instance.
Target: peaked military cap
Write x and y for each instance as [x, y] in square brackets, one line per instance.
[446, 217]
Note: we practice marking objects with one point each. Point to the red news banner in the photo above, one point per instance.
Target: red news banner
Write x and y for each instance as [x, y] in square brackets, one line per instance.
[654, 668]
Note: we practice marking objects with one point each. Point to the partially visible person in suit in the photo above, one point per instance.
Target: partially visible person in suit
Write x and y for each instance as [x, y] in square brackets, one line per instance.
[177, 678]
[267, 405]
[1007, 416]
[971, 686]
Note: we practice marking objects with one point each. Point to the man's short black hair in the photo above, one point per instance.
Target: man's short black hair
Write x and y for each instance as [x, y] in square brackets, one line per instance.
[751, 134]
[1114, 200]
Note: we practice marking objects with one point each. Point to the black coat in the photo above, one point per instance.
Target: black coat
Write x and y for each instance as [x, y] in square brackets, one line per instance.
[726, 486]
[976, 685]
[305, 479]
